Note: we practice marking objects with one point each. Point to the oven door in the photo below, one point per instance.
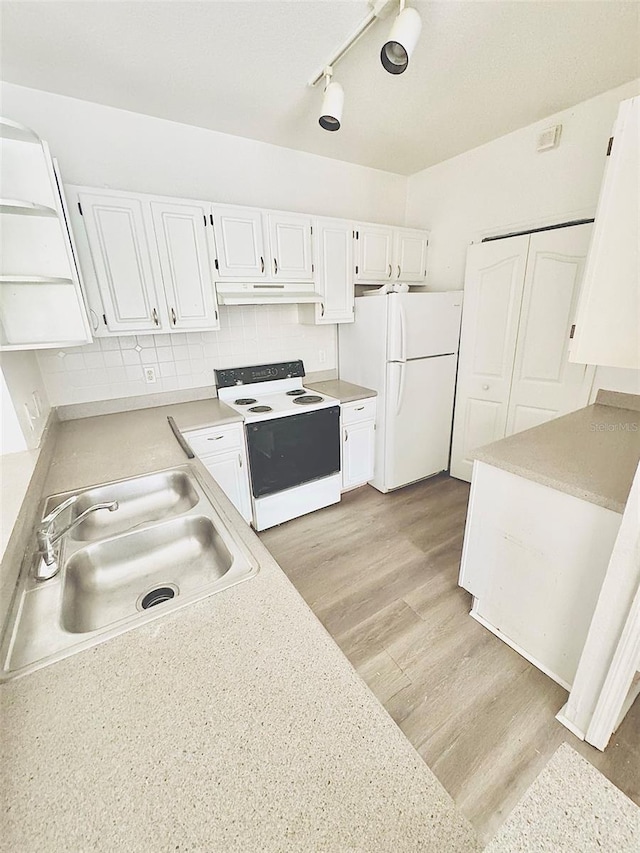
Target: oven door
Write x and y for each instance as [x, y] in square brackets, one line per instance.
[289, 451]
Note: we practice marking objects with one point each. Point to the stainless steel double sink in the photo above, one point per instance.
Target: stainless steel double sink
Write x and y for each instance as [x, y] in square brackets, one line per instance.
[164, 547]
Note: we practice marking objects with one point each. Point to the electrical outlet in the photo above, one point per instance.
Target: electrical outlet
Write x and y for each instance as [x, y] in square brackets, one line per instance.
[149, 374]
[322, 356]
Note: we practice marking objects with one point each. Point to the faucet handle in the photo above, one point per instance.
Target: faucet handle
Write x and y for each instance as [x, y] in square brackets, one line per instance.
[51, 517]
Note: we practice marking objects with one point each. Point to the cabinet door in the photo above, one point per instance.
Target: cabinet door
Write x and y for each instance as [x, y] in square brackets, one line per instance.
[607, 325]
[290, 243]
[120, 251]
[410, 255]
[357, 453]
[334, 274]
[229, 470]
[545, 384]
[493, 287]
[374, 253]
[239, 242]
[184, 246]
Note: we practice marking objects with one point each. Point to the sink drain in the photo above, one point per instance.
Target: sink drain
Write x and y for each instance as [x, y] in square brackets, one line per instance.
[156, 596]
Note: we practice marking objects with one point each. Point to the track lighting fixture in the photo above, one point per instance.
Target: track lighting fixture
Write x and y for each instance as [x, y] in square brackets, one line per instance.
[332, 103]
[404, 35]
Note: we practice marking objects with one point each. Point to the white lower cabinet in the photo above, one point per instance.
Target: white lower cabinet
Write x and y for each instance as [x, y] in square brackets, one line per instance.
[534, 559]
[358, 426]
[223, 453]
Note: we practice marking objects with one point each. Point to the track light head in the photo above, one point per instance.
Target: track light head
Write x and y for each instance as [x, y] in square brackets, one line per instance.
[332, 104]
[404, 35]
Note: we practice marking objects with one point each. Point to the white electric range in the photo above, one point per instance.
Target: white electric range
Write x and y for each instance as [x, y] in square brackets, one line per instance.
[293, 439]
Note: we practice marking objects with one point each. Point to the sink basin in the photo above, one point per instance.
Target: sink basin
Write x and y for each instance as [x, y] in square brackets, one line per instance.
[142, 499]
[166, 546]
[111, 580]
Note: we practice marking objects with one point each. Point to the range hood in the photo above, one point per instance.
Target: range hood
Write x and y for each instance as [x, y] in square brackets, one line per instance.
[256, 293]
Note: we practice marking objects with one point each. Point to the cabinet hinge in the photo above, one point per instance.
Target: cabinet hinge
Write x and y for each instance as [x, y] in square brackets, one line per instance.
[609, 146]
[216, 263]
[104, 317]
[211, 218]
[80, 209]
[572, 332]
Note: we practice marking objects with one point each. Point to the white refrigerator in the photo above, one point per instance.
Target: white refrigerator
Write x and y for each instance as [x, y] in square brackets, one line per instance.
[405, 346]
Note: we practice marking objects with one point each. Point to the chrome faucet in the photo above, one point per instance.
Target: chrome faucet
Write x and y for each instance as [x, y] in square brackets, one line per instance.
[48, 563]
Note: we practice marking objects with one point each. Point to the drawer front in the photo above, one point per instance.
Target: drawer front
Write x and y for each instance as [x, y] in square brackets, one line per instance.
[360, 410]
[211, 441]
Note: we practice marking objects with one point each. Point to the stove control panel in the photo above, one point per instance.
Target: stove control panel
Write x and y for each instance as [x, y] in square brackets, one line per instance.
[259, 373]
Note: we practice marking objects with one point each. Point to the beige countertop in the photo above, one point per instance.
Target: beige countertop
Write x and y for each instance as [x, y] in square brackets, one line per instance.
[346, 392]
[234, 724]
[592, 454]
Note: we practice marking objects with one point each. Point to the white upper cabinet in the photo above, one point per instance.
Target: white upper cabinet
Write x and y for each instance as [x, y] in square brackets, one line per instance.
[386, 254]
[120, 250]
[239, 242]
[374, 253]
[410, 255]
[151, 262]
[290, 244]
[333, 251]
[608, 319]
[185, 248]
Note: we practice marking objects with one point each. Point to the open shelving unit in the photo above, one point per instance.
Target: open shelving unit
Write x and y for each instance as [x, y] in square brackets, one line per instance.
[41, 302]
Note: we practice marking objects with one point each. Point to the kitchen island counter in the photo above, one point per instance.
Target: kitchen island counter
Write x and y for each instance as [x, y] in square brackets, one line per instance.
[234, 724]
[591, 454]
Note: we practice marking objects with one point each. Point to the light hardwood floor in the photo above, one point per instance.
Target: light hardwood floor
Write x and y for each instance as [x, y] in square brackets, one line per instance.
[380, 572]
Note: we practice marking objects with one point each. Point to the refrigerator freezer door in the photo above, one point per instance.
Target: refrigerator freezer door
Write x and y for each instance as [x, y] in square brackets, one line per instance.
[419, 409]
[423, 324]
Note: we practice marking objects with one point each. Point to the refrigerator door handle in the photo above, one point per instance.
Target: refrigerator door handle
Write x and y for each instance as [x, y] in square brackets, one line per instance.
[402, 319]
[401, 367]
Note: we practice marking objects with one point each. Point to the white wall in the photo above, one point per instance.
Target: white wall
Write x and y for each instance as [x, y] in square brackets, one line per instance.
[23, 378]
[103, 146]
[506, 185]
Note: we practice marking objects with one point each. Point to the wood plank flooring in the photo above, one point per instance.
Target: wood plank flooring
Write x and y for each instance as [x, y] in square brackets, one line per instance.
[380, 572]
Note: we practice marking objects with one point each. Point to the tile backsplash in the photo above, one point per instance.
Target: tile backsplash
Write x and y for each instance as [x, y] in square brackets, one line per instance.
[250, 334]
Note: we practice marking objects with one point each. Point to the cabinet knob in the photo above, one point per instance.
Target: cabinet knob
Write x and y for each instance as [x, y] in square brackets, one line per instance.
[155, 317]
[261, 264]
[173, 316]
[346, 435]
[239, 460]
[215, 438]
[485, 387]
[390, 271]
[399, 271]
[275, 266]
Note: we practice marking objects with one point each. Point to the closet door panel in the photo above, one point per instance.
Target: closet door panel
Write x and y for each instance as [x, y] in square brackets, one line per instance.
[493, 288]
[545, 384]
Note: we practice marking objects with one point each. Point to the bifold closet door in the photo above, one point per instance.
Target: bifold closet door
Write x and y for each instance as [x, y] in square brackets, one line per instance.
[493, 287]
[545, 384]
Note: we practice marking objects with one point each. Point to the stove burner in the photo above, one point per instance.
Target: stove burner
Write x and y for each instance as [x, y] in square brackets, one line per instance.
[260, 408]
[244, 401]
[296, 393]
[308, 400]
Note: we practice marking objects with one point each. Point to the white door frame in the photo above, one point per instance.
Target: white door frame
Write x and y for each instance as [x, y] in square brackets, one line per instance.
[605, 685]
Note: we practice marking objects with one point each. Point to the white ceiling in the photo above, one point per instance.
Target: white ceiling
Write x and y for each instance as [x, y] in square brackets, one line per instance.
[481, 69]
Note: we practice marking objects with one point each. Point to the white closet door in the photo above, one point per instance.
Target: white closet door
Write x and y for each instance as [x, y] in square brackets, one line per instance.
[545, 384]
[121, 256]
[183, 239]
[494, 282]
